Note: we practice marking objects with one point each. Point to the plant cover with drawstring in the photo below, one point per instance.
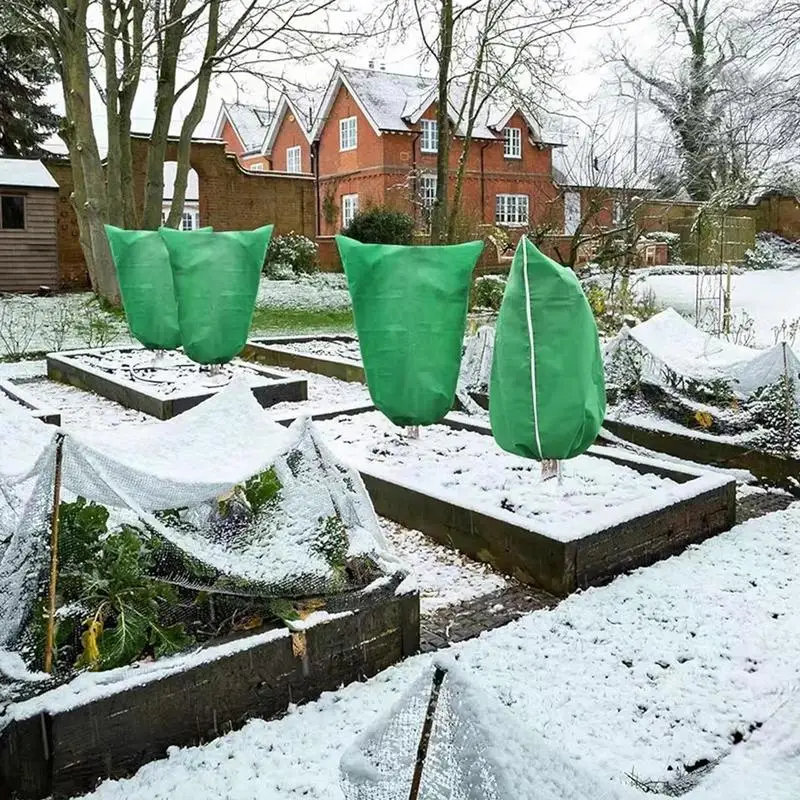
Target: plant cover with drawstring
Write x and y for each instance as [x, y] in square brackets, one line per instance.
[410, 309]
[216, 277]
[547, 391]
[145, 283]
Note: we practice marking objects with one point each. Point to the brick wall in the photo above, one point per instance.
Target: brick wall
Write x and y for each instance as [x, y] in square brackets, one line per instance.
[230, 199]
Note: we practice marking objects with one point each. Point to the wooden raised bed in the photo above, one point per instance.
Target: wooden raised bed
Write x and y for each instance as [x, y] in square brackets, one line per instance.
[262, 350]
[64, 367]
[17, 394]
[512, 544]
[64, 749]
[769, 468]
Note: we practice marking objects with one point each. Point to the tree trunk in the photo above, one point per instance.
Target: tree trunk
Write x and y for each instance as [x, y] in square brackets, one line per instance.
[193, 118]
[114, 156]
[89, 197]
[439, 214]
[164, 104]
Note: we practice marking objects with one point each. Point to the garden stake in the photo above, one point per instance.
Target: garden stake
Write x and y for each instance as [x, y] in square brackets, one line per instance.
[425, 737]
[51, 596]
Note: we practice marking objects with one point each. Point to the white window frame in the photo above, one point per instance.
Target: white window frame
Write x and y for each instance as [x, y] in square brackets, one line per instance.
[257, 168]
[294, 159]
[512, 142]
[348, 133]
[349, 208]
[572, 212]
[429, 141]
[191, 218]
[512, 210]
[427, 190]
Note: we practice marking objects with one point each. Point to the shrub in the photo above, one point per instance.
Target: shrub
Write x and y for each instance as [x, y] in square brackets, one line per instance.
[381, 226]
[487, 292]
[278, 271]
[294, 251]
[762, 256]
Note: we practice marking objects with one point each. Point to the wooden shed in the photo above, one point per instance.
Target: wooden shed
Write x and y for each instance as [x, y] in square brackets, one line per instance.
[28, 226]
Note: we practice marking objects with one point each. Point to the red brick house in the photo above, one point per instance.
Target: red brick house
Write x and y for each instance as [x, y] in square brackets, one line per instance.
[376, 144]
[243, 129]
[287, 144]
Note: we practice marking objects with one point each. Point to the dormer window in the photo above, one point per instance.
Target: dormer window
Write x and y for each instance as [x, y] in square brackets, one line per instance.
[429, 142]
[347, 133]
[512, 142]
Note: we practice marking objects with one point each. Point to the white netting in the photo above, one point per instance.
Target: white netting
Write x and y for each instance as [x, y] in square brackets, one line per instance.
[158, 520]
[476, 368]
[669, 368]
[477, 751]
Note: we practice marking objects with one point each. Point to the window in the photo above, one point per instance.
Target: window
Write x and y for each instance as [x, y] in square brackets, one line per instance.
[187, 221]
[512, 142]
[427, 191]
[257, 168]
[349, 208]
[348, 137]
[12, 212]
[572, 212]
[430, 136]
[511, 209]
[619, 212]
[293, 159]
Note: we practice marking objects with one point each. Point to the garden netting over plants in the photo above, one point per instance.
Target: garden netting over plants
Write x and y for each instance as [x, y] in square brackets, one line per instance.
[172, 534]
[476, 750]
[667, 369]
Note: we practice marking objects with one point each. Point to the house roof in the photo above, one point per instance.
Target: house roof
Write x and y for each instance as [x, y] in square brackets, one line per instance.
[285, 106]
[251, 124]
[25, 173]
[395, 102]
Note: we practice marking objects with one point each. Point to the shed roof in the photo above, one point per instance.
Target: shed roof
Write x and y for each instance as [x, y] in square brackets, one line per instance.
[25, 173]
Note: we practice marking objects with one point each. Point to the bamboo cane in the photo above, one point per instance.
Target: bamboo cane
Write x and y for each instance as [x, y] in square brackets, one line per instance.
[425, 737]
[54, 525]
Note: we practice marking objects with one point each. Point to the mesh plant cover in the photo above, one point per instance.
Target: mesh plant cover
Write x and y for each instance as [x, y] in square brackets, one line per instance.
[477, 751]
[207, 524]
[216, 277]
[410, 308]
[667, 368]
[547, 391]
[145, 282]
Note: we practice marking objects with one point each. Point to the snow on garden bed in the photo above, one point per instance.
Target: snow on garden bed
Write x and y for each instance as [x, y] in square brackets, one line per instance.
[470, 469]
[655, 672]
[444, 576]
[337, 349]
[321, 291]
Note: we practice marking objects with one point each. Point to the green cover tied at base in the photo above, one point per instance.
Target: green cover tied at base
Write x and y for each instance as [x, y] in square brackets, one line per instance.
[547, 395]
[410, 309]
[216, 277]
[145, 283]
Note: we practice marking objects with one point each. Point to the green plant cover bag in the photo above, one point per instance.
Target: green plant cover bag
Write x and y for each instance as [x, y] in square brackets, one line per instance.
[216, 278]
[145, 283]
[410, 308]
[547, 395]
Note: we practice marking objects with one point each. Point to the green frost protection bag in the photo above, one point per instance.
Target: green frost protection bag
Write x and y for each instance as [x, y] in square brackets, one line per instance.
[216, 278]
[145, 283]
[410, 308]
[547, 396]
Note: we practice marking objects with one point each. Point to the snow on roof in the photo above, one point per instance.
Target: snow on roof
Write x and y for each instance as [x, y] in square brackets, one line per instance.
[395, 102]
[251, 123]
[285, 106]
[25, 172]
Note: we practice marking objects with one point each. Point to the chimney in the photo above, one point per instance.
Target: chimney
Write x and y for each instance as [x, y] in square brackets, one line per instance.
[383, 67]
[371, 64]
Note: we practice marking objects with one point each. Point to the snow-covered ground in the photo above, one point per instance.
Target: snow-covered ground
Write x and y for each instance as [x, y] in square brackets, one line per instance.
[656, 672]
[770, 297]
[348, 350]
[312, 292]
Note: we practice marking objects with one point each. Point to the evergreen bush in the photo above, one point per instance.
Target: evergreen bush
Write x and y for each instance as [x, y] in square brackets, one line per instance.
[381, 225]
[292, 253]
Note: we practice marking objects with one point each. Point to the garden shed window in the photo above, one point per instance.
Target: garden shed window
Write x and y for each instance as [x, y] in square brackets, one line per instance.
[12, 212]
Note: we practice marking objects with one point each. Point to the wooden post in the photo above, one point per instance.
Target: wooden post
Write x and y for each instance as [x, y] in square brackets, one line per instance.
[51, 595]
[425, 737]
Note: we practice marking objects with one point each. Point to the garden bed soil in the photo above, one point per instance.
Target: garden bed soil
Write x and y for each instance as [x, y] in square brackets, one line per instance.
[64, 742]
[325, 355]
[134, 378]
[769, 468]
[613, 513]
[11, 391]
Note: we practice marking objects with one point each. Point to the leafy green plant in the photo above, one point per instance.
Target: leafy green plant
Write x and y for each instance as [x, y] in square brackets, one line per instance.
[381, 225]
[294, 252]
[487, 292]
[262, 488]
